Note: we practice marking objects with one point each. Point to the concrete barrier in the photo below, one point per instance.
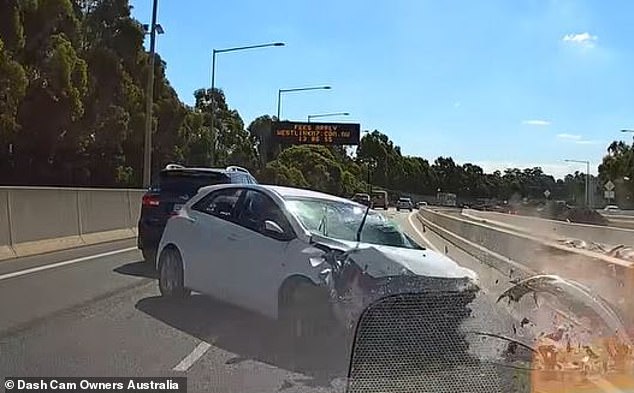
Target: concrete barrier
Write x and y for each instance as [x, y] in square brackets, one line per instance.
[557, 229]
[612, 278]
[42, 219]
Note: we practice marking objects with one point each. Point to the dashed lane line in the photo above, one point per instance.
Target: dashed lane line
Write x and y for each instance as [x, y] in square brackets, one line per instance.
[190, 359]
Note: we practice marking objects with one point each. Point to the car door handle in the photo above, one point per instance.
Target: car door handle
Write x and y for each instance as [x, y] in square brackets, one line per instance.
[232, 237]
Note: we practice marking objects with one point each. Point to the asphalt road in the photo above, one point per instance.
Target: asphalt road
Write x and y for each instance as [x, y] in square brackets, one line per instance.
[96, 311]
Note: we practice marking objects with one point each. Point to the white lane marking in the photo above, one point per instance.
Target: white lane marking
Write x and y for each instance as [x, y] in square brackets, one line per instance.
[190, 359]
[411, 223]
[64, 263]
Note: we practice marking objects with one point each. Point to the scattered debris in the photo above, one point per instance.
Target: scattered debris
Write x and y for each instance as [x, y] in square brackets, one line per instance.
[599, 346]
[621, 251]
[285, 385]
[524, 321]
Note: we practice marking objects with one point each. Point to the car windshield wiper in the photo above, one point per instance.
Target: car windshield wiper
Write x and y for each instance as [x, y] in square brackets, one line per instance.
[365, 216]
[322, 223]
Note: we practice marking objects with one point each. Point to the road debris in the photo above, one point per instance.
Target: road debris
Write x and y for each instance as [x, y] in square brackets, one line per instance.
[598, 348]
[619, 251]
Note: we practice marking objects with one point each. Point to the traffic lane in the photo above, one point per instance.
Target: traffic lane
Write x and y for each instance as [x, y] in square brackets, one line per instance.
[27, 298]
[247, 352]
[17, 264]
[104, 337]
[136, 332]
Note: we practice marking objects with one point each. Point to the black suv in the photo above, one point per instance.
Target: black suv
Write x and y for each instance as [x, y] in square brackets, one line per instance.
[176, 185]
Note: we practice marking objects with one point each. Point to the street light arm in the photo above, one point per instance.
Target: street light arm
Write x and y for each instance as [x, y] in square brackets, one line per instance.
[249, 47]
[280, 91]
[305, 88]
[329, 114]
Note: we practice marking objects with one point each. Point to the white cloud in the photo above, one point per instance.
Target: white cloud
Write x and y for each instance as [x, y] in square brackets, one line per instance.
[536, 122]
[583, 39]
[571, 137]
[588, 142]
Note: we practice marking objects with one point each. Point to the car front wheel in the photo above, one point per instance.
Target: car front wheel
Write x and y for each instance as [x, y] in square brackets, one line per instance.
[305, 314]
[171, 275]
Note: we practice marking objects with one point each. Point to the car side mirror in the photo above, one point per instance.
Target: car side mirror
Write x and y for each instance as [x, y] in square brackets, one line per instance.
[273, 228]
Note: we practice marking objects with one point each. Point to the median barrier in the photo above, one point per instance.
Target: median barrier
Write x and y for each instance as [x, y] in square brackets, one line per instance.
[557, 229]
[610, 277]
[43, 219]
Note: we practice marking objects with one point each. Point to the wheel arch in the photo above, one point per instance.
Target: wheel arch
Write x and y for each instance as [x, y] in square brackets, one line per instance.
[291, 283]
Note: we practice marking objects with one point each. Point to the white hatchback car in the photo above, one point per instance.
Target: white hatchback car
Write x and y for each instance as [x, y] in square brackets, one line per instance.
[288, 253]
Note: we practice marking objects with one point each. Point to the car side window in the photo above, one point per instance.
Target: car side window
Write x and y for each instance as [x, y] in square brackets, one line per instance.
[221, 204]
[258, 208]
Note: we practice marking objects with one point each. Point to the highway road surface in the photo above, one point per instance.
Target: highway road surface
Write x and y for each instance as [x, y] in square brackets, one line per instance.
[96, 311]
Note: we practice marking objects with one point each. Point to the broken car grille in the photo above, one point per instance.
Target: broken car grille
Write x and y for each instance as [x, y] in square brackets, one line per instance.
[417, 343]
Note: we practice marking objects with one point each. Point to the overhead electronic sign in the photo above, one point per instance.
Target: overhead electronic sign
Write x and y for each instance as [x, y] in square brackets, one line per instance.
[290, 132]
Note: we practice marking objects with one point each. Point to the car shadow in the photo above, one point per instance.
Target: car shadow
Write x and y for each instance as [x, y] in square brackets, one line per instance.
[137, 269]
[249, 336]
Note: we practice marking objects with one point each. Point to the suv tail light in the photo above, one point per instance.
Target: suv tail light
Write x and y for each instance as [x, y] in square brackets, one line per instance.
[150, 201]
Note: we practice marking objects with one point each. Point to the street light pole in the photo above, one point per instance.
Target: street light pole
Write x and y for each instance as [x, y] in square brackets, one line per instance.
[147, 146]
[328, 115]
[587, 178]
[213, 81]
[280, 91]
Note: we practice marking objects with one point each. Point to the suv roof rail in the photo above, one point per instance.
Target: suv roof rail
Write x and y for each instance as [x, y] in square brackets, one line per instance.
[174, 166]
[234, 168]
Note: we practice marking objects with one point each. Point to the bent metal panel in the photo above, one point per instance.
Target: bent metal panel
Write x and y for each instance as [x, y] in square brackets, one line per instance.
[290, 132]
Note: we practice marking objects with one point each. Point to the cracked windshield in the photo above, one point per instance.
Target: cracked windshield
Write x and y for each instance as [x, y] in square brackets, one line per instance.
[316, 196]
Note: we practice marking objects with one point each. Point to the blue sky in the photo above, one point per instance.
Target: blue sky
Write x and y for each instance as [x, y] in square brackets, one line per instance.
[493, 82]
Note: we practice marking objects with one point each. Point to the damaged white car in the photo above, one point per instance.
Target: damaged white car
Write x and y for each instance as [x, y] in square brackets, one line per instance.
[297, 255]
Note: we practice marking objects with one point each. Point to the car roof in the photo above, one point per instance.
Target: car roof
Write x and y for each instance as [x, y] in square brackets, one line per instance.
[291, 193]
[282, 192]
[189, 169]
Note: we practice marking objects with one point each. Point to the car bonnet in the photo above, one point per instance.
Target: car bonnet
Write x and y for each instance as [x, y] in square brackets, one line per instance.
[384, 261]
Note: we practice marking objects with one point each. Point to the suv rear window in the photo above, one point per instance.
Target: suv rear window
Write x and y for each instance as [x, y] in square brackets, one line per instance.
[190, 181]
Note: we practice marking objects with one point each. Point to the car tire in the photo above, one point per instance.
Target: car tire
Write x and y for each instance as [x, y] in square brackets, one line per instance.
[171, 275]
[305, 314]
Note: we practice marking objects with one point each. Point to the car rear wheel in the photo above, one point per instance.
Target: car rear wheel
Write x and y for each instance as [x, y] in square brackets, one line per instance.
[171, 275]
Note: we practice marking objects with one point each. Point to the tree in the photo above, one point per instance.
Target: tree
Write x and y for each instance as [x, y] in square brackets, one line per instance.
[618, 167]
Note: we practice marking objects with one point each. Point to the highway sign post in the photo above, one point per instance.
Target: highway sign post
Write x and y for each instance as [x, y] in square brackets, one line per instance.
[298, 133]
[609, 190]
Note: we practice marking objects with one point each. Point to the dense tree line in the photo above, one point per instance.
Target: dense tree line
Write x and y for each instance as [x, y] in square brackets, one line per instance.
[72, 112]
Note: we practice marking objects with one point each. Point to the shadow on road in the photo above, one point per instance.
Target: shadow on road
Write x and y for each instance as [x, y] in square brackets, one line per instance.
[138, 269]
[249, 336]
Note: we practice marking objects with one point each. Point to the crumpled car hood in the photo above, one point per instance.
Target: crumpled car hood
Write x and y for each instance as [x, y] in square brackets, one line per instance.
[383, 261]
